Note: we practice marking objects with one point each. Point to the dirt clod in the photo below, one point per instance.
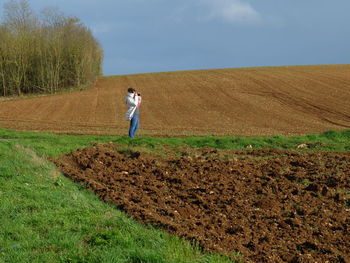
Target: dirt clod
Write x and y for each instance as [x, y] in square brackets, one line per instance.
[286, 207]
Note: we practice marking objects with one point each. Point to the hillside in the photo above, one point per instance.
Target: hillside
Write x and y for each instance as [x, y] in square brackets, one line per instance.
[246, 101]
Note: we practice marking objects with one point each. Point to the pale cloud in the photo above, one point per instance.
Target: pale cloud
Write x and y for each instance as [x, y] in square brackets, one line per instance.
[235, 11]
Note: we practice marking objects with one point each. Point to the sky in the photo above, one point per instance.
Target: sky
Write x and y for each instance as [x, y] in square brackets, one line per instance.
[142, 36]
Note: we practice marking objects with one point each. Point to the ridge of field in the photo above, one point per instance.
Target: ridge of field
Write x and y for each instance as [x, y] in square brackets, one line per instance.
[54, 145]
[290, 100]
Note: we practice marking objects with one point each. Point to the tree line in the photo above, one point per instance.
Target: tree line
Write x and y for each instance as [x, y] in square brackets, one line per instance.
[45, 52]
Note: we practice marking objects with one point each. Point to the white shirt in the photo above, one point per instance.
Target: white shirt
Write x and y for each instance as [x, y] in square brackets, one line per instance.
[133, 101]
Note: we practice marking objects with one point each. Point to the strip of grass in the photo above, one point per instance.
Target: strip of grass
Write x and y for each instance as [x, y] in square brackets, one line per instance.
[47, 218]
[54, 145]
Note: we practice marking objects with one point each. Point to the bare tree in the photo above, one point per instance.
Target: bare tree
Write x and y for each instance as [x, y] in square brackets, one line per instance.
[45, 53]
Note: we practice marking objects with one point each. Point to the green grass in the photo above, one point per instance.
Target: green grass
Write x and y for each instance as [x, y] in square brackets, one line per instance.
[47, 218]
[53, 145]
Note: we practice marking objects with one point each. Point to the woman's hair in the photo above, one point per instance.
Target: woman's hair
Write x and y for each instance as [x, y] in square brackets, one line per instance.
[131, 90]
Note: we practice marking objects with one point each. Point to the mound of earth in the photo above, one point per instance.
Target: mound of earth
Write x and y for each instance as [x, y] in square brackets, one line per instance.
[241, 102]
[270, 205]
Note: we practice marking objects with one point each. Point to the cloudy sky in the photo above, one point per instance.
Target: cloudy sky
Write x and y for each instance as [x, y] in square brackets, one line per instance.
[140, 36]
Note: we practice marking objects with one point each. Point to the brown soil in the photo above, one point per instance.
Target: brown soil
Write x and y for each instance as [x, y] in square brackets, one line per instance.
[250, 101]
[270, 205]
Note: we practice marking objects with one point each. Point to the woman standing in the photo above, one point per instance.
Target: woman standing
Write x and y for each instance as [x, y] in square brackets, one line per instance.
[133, 101]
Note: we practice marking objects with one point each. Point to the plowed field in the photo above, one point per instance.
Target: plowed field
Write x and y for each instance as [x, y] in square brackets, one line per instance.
[270, 205]
[251, 101]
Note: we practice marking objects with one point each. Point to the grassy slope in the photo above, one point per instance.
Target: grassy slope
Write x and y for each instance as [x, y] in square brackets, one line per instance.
[47, 218]
[53, 145]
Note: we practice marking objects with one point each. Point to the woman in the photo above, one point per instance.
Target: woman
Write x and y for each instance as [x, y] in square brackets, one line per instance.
[133, 100]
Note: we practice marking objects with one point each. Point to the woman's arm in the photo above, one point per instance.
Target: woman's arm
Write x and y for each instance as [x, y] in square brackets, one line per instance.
[132, 102]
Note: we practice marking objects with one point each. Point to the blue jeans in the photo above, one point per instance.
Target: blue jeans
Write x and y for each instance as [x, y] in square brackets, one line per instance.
[134, 125]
